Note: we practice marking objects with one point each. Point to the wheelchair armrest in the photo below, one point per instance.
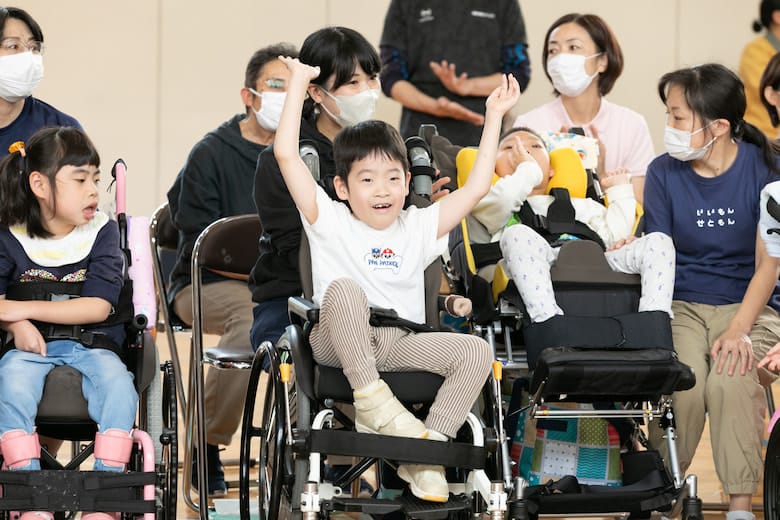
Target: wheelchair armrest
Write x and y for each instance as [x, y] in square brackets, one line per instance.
[379, 314]
[301, 310]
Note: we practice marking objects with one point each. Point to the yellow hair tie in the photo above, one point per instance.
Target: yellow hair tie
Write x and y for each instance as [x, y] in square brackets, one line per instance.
[17, 146]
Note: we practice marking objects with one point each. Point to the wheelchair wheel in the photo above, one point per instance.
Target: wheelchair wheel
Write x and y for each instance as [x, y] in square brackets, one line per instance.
[169, 461]
[250, 431]
[772, 475]
[281, 474]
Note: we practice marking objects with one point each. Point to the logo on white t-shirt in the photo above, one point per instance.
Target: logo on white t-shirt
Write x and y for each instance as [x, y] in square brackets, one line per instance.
[383, 258]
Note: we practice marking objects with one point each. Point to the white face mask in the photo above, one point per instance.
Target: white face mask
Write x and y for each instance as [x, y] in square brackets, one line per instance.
[270, 108]
[678, 144]
[568, 74]
[19, 75]
[353, 109]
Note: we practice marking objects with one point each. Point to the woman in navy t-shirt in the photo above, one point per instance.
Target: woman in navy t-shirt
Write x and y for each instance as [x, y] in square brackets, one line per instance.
[704, 193]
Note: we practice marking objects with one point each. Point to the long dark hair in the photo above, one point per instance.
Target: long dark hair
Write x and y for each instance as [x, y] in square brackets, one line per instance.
[337, 51]
[46, 152]
[713, 91]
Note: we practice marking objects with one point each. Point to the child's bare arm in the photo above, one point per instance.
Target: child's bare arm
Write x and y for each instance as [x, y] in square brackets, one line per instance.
[16, 316]
[300, 183]
[458, 204]
[76, 311]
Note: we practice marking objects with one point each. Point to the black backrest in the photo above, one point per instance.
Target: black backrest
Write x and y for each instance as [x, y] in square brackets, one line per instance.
[230, 244]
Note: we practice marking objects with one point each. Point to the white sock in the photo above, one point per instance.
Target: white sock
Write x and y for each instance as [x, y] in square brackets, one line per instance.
[740, 515]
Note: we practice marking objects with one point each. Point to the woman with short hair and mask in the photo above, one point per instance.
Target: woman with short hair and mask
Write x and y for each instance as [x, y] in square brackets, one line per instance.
[582, 60]
[21, 70]
[704, 193]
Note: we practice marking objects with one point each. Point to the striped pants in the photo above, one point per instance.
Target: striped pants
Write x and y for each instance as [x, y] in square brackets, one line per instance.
[344, 338]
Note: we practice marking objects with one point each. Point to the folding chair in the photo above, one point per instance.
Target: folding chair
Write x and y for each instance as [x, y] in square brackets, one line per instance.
[164, 238]
[227, 245]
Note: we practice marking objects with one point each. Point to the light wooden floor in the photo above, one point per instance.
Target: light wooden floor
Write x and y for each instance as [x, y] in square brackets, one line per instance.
[709, 487]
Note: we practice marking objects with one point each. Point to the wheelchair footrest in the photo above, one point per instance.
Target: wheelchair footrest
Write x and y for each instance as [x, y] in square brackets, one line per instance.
[370, 506]
[57, 490]
[422, 510]
[635, 375]
[419, 451]
[411, 506]
[601, 503]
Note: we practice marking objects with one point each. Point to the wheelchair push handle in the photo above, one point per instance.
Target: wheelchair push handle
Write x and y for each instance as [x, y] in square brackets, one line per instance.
[119, 173]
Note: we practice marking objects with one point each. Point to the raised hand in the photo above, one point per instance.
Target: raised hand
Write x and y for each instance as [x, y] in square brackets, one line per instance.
[298, 69]
[504, 97]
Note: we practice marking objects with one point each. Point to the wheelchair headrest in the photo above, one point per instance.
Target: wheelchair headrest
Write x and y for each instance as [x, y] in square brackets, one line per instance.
[464, 163]
[566, 163]
[569, 172]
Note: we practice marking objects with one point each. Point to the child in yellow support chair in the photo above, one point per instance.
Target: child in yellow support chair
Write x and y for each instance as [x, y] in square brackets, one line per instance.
[524, 171]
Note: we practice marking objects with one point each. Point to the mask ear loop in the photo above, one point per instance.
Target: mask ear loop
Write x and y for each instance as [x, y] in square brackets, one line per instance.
[18, 146]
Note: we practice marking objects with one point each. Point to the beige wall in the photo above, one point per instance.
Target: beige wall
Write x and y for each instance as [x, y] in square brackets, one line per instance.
[148, 78]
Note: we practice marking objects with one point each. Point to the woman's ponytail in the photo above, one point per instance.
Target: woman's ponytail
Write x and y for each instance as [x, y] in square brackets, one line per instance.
[770, 150]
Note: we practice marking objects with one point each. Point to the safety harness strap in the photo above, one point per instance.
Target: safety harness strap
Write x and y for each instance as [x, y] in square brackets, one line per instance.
[560, 224]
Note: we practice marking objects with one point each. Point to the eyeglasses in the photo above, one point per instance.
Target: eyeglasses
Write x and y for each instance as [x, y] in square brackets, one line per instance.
[13, 45]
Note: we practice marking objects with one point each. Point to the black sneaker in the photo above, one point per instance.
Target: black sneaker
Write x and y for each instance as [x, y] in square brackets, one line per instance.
[215, 473]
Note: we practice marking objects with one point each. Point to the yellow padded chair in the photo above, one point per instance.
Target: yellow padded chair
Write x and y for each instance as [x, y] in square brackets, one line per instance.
[568, 173]
[573, 179]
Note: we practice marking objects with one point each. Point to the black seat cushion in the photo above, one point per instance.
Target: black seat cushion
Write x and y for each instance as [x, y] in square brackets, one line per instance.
[408, 387]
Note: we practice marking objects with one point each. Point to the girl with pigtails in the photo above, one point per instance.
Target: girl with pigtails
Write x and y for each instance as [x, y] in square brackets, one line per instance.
[61, 272]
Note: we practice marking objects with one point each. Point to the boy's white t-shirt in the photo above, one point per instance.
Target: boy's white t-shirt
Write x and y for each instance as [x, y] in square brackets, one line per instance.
[388, 264]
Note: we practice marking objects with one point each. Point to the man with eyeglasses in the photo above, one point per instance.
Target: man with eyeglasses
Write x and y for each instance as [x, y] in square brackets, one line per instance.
[21, 69]
[217, 181]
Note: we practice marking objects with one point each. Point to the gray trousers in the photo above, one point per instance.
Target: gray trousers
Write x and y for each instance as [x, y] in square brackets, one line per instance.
[227, 312]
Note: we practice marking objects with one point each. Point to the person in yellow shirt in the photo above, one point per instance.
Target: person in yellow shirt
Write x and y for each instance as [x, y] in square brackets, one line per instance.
[755, 57]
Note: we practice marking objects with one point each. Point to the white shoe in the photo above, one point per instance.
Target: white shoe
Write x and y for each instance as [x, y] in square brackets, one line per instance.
[426, 482]
[378, 411]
